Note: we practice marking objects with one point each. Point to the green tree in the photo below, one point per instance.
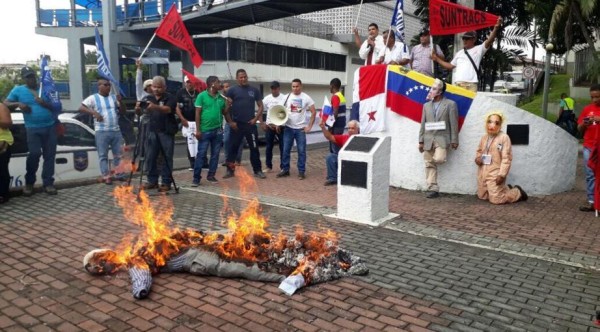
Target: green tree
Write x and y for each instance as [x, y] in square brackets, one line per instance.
[576, 13]
[90, 57]
[6, 84]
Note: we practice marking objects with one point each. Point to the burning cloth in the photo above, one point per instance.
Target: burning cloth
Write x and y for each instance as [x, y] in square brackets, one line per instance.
[246, 251]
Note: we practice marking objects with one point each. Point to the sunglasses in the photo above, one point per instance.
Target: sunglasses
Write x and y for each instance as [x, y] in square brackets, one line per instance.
[105, 84]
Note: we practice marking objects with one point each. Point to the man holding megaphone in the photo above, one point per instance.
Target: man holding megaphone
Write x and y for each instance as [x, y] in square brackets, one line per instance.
[276, 117]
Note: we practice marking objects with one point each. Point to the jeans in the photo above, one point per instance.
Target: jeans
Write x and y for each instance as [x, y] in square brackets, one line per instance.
[250, 132]
[108, 140]
[41, 142]
[156, 143]
[4, 175]
[590, 179]
[332, 164]
[270, 135]
[227, 144]
[289, 135]
[214, 139]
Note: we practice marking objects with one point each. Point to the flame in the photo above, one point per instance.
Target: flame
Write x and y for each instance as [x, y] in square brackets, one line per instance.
[246, 239]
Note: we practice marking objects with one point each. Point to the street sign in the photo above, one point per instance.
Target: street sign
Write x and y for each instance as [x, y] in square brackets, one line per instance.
[528, 72]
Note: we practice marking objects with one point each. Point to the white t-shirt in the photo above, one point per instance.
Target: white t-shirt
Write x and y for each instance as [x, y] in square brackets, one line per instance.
[298, 105]
[108, 107]
[364, 50]
[270, 101]
[464, 71]
[397, 53]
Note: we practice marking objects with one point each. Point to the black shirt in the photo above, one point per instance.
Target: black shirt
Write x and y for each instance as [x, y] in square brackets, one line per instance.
[163, 122]
[244, 99]
[186, 101]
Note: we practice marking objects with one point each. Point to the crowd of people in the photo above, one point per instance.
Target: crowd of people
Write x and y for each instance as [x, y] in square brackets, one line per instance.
[216, 116]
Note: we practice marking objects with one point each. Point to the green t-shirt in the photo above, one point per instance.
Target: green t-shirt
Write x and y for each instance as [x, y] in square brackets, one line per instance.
[211, 117]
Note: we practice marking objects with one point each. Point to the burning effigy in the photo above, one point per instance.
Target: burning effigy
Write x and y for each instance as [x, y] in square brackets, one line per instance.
[246, 250]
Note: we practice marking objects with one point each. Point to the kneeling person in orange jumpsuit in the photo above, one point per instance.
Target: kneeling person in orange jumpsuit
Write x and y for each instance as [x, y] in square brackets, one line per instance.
[494, 156]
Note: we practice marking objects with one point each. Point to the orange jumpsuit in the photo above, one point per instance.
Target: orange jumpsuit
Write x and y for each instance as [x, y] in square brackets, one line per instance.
[500, 148]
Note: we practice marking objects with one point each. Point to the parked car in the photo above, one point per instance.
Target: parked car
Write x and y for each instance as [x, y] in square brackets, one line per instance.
[76, 156]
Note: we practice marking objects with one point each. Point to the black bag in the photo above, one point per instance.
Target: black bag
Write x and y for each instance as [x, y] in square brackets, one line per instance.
[567, 122]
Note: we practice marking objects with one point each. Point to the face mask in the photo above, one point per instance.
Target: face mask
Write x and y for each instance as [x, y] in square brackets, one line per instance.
[434, 92]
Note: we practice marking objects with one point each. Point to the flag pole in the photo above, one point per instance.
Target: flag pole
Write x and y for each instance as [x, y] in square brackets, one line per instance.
[146, 48]
[41, 78]
[432, 51]
[357, 16]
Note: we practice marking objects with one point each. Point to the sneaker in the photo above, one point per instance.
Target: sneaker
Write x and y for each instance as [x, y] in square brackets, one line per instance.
[283, 173]
[28, 190]
[228, 175]
[433, 194]
[260, 175]
[330, 183]
[191, 169]
[301, 176]
[524, 196]
[50, 190]
[195, 184]
[211, 179]
[164, 188]
[269, 170]
[587, 208]
[148, 186]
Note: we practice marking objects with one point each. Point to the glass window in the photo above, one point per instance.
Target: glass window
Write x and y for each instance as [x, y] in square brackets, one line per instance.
[76, 135]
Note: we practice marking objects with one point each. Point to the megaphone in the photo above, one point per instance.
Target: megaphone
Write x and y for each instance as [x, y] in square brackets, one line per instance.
[278, 115]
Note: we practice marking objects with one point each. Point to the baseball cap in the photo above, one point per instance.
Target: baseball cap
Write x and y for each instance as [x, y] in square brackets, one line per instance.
[470, 34]
[147, 83]
[27, 71]
[186, 79]
[424, 32]
[274, 84]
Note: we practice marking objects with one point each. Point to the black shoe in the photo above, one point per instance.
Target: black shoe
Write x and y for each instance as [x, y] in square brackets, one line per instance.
[330, 183]
[587, 208]
[283, 173]
[211, 179]
[228, 175]
[433, 194]
[148, 186]
[164, 188]
[524, 196]
[50, 190]
[301, 176]
[260, 175]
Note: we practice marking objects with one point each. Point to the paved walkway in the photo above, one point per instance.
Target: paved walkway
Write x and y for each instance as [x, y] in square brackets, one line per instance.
[453, 264]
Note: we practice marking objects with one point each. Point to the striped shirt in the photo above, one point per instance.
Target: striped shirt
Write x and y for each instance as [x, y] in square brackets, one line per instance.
[108, 107]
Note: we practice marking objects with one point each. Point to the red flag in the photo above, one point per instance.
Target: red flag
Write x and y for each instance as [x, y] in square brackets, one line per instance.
[199, 84]
[174, 31]
[447, 18]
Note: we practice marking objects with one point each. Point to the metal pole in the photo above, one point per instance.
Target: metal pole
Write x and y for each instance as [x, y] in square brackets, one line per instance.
[549, 48]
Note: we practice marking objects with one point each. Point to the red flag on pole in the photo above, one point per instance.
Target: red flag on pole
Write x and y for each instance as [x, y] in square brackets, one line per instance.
[199, 84]
[174, 31]
[447, 18]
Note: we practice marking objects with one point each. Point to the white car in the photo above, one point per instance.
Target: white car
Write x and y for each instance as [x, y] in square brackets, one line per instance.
[76, 156]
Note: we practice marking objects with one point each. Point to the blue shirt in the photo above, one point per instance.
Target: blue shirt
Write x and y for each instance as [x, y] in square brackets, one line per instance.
[39, 117]
[244, 100]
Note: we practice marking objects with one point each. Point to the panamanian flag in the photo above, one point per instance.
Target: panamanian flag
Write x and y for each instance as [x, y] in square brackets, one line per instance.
[327, 112]
[368, 98]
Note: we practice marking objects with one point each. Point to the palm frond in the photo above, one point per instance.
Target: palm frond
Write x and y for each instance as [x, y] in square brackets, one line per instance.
[521, 37]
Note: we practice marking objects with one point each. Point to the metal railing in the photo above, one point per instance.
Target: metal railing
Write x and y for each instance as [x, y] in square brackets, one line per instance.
[582, 59]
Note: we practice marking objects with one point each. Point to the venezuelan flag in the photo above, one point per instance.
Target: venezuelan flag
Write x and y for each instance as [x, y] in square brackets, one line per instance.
[407, 92]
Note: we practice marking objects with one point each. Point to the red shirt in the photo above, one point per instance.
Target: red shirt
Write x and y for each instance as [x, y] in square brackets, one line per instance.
[592, 133]
[335, 101]
[340, 140]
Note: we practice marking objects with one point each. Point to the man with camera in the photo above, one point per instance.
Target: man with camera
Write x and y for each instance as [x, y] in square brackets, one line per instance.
[370, 48]
[159, 108]
[588, 125]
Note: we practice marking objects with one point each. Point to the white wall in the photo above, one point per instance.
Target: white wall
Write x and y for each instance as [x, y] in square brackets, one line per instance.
[546, 166]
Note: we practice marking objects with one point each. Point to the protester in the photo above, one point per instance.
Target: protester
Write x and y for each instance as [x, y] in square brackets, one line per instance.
[588, 125]
[40, 117]
[339, 140]
[210, 110]
[142, 89]
[160, 139]
[227, 132]
[566, 114]
[370, 48]
[296, 128]
[105, 107]
[338, 105]
[243, 124]
[395, 52]
[439, 130]
[186, 112]
[273, 132]
[420, 56]
[6, 140]
[494, 156]
[466, 61]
